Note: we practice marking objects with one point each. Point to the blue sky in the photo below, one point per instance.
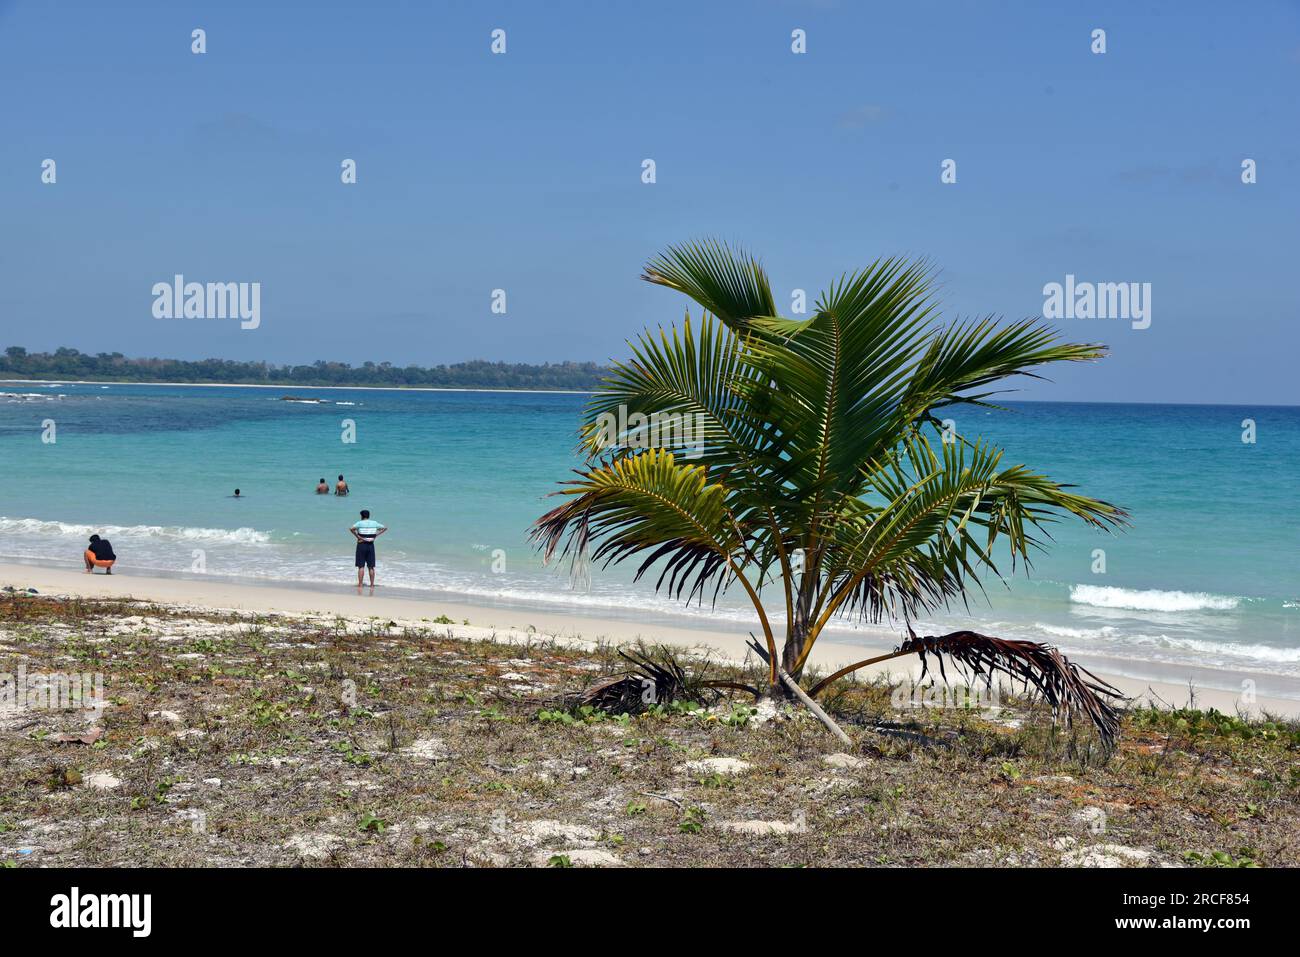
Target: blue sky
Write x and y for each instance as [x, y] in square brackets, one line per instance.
[522, 172]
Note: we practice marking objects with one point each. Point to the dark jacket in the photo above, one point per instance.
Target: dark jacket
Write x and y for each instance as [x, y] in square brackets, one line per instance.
[103, 550]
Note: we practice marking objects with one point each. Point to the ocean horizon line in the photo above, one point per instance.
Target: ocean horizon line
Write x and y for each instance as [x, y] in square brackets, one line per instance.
[390, 388]
[291, 385]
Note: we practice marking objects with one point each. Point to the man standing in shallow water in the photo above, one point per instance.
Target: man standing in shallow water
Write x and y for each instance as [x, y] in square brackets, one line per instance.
[365, 532]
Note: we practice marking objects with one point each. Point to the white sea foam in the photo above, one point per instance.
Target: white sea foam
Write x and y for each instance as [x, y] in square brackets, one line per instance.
[1220, 649]
[251, 553]
[1203, 651]
[1100, 596]
[21, 527]
[1062, 631]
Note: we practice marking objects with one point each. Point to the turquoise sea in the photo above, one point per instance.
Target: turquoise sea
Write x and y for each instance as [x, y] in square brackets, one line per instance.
[1208, 575]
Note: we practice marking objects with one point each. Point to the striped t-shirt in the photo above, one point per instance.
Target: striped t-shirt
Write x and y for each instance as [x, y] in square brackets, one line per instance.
[368, 529]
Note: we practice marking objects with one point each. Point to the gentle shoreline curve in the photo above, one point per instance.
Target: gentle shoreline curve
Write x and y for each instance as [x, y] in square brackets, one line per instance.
[727, 641]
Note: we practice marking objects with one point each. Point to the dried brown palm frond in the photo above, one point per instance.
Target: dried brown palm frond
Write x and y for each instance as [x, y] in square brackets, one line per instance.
[657, 676]
[1069, 690]
[618, 694]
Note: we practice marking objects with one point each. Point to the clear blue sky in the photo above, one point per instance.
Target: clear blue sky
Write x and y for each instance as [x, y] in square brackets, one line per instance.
[522, 171]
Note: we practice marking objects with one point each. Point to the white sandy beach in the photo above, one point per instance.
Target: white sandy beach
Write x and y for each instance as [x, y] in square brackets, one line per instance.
[525, 623]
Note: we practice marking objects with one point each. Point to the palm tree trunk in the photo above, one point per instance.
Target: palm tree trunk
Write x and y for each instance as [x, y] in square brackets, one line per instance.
[793, 652]
[795, 639]
[793, 649]
[797, 635]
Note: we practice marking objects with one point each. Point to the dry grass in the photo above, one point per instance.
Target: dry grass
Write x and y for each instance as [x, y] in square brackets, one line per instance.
[324, 741]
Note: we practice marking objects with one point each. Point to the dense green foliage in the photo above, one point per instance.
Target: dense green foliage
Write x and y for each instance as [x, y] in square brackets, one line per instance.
[65, 363]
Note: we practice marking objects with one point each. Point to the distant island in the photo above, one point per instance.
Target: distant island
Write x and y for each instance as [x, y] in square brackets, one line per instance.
[65, 363]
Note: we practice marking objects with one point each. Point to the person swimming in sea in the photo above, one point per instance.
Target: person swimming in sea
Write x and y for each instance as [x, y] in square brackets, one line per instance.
[236, 495]
[99, 554]
[323, 488]
[341, 488]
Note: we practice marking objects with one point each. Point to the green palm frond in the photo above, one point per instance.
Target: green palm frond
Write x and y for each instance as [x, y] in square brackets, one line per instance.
[838, 378]
[729, 284]
[807, 462]
[681, 391]
[928, 533]
[974, 354]
[647, 503]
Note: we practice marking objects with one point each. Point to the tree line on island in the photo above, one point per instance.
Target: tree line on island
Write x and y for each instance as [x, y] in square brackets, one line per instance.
[66, 363]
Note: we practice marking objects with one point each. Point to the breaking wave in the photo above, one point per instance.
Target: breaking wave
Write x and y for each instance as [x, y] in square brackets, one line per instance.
[1134, 600]
[19, 527]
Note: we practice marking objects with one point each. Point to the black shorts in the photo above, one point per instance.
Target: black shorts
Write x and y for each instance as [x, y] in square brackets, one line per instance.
[366, 554]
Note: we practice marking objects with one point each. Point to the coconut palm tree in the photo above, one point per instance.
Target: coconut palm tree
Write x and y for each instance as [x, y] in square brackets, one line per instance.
[814, 464]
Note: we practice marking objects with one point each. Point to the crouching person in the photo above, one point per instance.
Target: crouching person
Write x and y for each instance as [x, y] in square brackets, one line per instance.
[99, 554]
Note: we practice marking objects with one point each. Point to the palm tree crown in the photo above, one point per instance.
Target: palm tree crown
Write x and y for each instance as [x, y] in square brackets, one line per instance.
[810, 457]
